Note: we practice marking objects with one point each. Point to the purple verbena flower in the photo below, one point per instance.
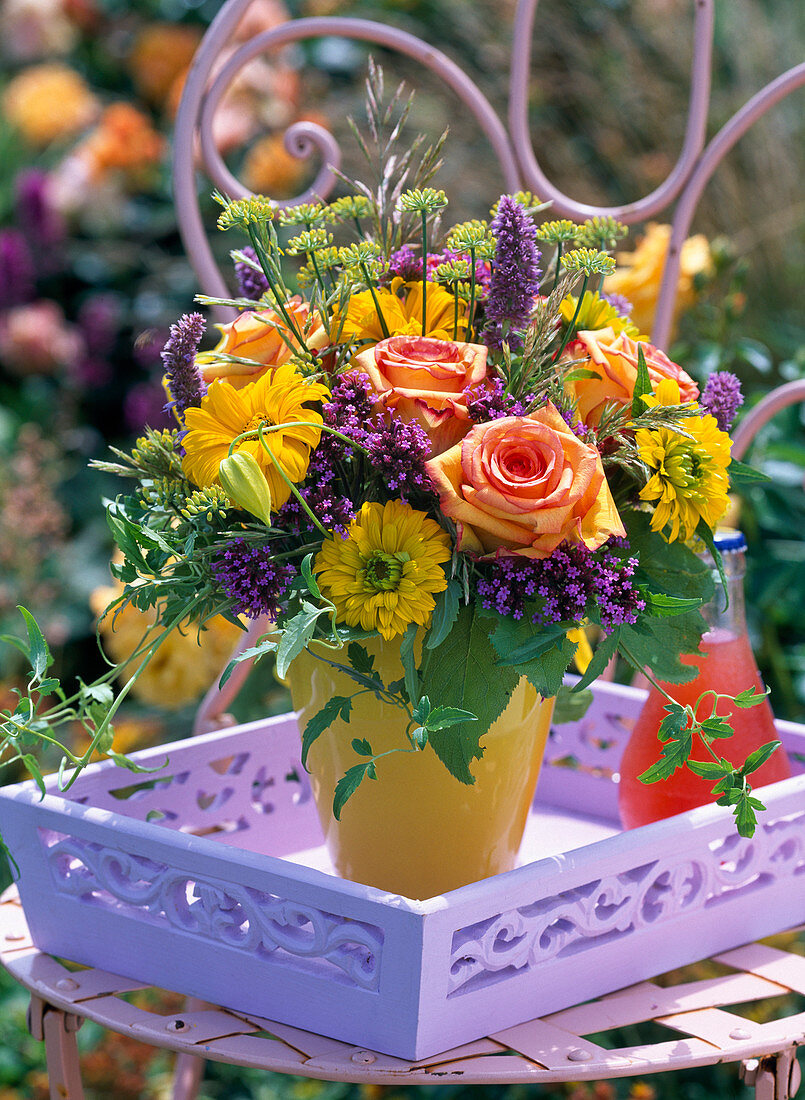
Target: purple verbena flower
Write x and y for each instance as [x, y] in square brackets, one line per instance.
[563, 586]
[349, 411]
[248, 576]
[179, 356]
[16, 269]
[404, 264]
[515, 273]
[251, 284]
[491, 402]
[722, 398]
[398, 452]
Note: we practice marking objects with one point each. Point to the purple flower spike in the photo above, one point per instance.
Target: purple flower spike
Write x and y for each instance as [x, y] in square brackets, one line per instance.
[722, 398]
[515, 273]
[179, 356]
[251, 284]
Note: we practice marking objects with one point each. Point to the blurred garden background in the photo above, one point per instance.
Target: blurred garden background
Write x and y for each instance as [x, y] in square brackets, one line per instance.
[92, 273]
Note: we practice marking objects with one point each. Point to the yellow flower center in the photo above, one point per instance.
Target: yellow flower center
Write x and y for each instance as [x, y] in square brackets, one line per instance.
[383, 571]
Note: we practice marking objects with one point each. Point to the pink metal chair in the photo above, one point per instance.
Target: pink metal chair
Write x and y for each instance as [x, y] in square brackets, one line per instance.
[683, 187]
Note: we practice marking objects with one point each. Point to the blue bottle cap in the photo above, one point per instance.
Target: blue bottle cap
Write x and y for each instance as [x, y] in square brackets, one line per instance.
[727, 538]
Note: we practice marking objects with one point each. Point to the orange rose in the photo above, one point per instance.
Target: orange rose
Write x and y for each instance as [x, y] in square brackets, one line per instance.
[614, 361]
[260, 335]
[424, 379]
[523, 485]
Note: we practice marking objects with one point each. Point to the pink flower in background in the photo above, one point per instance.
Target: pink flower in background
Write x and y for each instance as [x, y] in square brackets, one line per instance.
[36, 339]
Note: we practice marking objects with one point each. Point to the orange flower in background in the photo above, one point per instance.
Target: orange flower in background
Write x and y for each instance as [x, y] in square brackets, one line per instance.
[522, 486]
[161, 53]
[49, 102]
[261, 336]
[639, 273]
[124, 140]
[269, 169]
[184, 666]
[424, 379]
[613, 360]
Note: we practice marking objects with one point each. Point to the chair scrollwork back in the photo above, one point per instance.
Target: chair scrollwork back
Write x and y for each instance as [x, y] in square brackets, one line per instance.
[520, 168]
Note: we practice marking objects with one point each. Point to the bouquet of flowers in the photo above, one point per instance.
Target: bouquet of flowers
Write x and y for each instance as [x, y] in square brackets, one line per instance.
[450, 438]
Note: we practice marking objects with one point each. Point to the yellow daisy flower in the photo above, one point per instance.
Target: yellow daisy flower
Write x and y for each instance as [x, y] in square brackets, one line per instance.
[403, 316]
[278, 397]
[690, 481]
[384, 574]
[597, 313]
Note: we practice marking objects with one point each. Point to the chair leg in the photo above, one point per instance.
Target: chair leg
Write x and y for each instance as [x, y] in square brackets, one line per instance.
[58, 1030]
[775, 1077]
[187, 1074]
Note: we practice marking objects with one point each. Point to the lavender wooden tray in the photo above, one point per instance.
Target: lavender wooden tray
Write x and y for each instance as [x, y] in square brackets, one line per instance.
[210, 879]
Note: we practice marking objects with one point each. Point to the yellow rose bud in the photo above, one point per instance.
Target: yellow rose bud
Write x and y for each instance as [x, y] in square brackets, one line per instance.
[244, 483]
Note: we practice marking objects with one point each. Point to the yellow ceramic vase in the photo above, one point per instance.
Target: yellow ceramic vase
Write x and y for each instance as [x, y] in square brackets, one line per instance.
[417, 830]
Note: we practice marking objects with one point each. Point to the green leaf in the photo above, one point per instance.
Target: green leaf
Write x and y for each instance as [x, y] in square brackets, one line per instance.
[18, 643]
[444, 614]
[717, 727]
[340, 706]
[441, 718]
[50, 683]
[38, 650]
[759, 757]
[706, 535]
[462, 673]
[534, 647]
[660, 604]
[422, 709]
[371, 682]
[709, 769]
[642, 386]
[578, 373]
[6, 852]
[348, 784]
[678, 740]
[740, 473]
[412, 684]
[419, 736]
[360, 658]
[132, 766]
[604, 652]
[255, 652]
[307, 573]
[296, 634]
[749, 697]
[125, 534]
[362, 747]
[744, 806]
[570, 705]
[32, 764]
